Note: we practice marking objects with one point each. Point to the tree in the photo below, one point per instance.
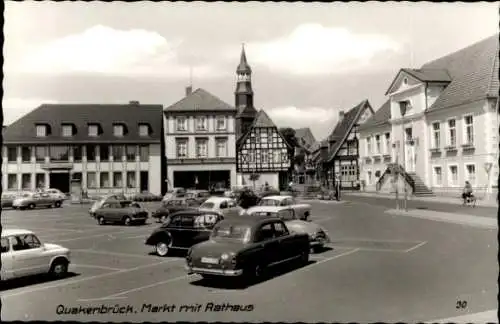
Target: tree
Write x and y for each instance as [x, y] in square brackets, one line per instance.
[254, 177]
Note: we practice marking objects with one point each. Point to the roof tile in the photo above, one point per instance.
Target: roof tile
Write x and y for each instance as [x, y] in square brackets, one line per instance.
[200, 100]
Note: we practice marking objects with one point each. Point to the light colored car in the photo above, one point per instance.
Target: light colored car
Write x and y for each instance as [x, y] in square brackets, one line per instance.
[318, 236]
[302, 211]
[56, 193]
[223, 205]
[174, 193]
[98, 204]
[32, 200]
[24, 255]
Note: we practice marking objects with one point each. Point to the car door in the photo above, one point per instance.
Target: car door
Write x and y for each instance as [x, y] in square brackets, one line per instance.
[117, 211]
[45, 199]
[286, 246]
[6, 268]
[205, 223]
[187, 232]
[27, 255]
[175, 230]
[269, 245]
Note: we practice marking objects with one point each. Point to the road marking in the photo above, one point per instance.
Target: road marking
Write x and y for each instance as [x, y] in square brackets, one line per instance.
[132, 237]
[95, 266]
[149, 286]
[113, 253]
[97, 235]
[306, 268]
[415, 247]
[46, 229]
[369, 249]
[70, 282]
[354, 239]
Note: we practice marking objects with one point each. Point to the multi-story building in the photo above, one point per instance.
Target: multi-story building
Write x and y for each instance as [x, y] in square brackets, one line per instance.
[200, 141]
[91, 147]
[262, 153]
[441, 122]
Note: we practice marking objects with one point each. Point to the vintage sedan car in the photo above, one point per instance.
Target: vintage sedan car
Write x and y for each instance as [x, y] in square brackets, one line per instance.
[318, 236]
[302, 211]
[24, 255]
[98, 204]
[172, 206]
[146, 196]
[199, 195]
[8, 198]
[121, 211]
[32, 200]
[56, 193]
[174, 193]
[245, 247]
[182, 230]
[223, 205]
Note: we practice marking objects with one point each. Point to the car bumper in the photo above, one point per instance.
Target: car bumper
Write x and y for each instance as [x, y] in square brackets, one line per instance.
[216, 272]
[319, 241]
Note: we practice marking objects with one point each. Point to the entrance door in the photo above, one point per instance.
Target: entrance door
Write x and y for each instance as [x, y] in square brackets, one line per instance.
[144, 183]
[409, 150]
[60, 181]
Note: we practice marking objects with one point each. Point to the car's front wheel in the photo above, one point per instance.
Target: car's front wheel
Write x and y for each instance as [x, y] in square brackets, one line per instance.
[59, 268]
[127, 221]
[100, 220]
[162, 249]
[57, 204]
[31, 206]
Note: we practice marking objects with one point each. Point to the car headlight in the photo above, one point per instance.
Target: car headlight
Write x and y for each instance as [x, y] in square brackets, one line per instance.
[224, 257]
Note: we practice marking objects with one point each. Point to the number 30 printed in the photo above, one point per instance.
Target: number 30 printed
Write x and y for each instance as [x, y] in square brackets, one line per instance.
[461, 304]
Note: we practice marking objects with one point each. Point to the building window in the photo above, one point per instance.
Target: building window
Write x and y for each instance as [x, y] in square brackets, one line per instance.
[59, 153]
[181, 124]
[12, 153]
[104, 179]
[264, 156]
[41, 130]
[387, 145]
[40, 180]
[369, 145]
[181, 148]
[117, 152]
[470, 170]
[131, 179]
[12, 181]
[221, 147]
[91, 152]
[220, 122]
[408, 134]
[76, 176]
[201, 123]
[144, 153]
[77, 153]
[93, 130]
[91, 180]
[131, 152]
[26, 153]
[40, 153]
[405, 106]
[377, 144]
[469, 130]
[67, 130]
[436, 135]
[438, 176]
[26, 181]
[143, 130]
[452, 133]
[117, 179]
[453, 175]
[118, 130]
[104, 152]
[201, 147]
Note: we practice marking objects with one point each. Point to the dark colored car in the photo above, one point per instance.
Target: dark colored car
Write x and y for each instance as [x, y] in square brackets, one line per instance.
[125, 211]
[172, 206]
[246, 247]
[182, 230]
[146, 196]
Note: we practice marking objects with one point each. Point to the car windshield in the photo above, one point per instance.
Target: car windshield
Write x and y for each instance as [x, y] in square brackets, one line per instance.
[240, 233]
[207, 205]
[269, 202]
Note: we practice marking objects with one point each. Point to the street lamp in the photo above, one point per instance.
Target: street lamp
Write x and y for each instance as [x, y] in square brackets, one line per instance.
[403, 107]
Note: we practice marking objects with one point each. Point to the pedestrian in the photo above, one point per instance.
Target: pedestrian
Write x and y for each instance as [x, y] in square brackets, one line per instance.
[266, 186]
[337, 188]
[467, 192]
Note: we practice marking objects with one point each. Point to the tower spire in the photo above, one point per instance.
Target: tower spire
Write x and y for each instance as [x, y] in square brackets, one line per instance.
[243, 67]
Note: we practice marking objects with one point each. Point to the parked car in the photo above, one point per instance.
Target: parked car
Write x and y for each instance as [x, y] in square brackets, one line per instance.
[56, 193]
[302, 211]
[24, 255]
[172, 206]
[8, 198]
[199, 195]
[146, 196]
[245, 247]
[318, 236]
[98, 204]
[268, 192]
[32, 200]
[223, 205]
[125, 211]
[182, 230]
[174, 193]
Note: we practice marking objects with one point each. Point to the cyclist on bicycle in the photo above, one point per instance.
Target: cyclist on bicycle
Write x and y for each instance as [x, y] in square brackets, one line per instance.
[467, 192]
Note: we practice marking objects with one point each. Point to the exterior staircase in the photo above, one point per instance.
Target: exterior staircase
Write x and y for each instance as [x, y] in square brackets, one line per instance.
[420, 189]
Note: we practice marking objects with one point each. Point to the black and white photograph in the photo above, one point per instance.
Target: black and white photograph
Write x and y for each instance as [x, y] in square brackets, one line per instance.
[250, 162]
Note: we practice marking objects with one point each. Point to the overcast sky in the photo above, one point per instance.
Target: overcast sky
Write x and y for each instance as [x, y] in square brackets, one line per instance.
[308, 60]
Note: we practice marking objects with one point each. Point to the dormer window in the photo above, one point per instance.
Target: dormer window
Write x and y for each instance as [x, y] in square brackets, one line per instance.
[93, 130]
[144, 130]
[41, 130]
[118, 130]
[68, 130]
[405, 81]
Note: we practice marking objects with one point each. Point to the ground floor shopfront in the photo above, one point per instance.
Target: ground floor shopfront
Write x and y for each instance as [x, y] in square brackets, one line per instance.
[187, 174]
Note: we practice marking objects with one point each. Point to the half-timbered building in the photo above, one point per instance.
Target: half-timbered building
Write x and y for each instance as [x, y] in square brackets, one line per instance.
[339, 155]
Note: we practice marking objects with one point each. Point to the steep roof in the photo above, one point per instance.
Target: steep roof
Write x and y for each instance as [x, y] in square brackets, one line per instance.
[305, 135]
[200, 100]
[379, 118]
[262, 120]
[243, 67]
[429, 75]
[474, 74]
[80, 115]
[344, 127]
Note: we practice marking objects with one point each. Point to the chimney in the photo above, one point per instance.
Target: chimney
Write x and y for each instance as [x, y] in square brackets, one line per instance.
[134, 102]
[341, 115]
[189, 90]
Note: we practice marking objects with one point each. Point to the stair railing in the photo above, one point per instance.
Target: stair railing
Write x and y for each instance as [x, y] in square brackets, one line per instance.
[391, 168]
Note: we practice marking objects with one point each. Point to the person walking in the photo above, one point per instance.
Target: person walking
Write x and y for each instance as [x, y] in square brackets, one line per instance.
[467, 192]
[337, 188]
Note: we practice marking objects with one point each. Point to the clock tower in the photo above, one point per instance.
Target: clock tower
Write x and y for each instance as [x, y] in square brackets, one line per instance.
[246, 111]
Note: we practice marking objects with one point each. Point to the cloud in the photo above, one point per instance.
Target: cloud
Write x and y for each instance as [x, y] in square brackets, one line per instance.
[312, 49]
[105, 50]
[15, 108]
